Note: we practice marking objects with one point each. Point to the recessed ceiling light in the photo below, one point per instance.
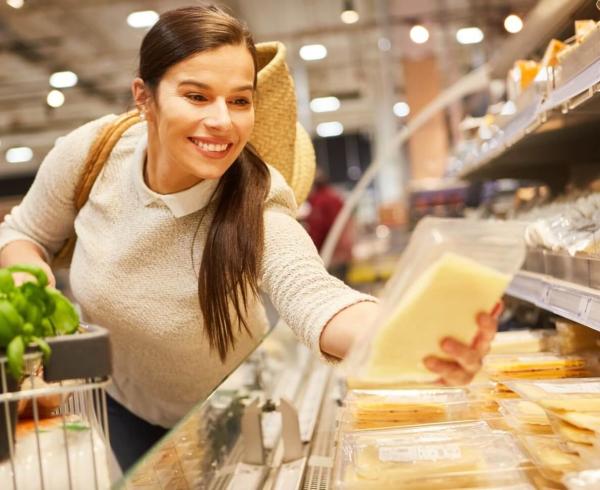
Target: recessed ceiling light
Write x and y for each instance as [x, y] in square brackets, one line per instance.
[16, 4]
[311, 52]
[419, 34]
[55, 98]
[401, 109]
[332, 128]
[142, 19]
[325, 104]
[513, 23]
[21, 154]
[63, 79]
[349, 15]
[469, 35]
[384, 44]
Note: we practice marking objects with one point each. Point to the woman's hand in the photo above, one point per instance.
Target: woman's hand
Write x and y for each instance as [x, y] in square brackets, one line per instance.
[466, 359]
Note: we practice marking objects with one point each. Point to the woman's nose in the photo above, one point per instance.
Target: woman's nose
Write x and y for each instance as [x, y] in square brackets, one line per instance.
[218, 116]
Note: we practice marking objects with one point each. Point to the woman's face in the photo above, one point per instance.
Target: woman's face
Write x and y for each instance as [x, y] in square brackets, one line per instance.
[202, 115]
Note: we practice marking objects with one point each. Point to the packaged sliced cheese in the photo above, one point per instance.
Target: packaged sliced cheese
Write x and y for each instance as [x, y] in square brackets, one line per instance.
[525, 412]
[583, 420]
[426, 460]
[451, 270]
[551, 456]
[571, 395]
[372, 409]
[534, 366]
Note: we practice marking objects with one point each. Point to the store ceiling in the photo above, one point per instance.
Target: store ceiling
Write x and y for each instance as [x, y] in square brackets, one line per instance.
[92, 39]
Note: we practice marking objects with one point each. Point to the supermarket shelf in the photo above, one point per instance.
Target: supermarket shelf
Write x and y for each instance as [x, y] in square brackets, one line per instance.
[556, 128]
[567, 299]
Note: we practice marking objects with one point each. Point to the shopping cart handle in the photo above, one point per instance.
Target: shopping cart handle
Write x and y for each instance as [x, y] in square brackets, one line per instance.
[86, 354]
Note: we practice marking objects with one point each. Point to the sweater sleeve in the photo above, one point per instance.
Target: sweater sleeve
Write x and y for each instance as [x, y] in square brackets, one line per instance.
[46, 214]
[294, 276]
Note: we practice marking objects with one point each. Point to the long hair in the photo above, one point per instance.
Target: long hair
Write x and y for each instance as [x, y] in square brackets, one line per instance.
[232, 254]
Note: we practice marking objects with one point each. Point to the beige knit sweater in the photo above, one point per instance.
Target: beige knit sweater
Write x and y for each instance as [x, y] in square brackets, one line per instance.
[133, 273]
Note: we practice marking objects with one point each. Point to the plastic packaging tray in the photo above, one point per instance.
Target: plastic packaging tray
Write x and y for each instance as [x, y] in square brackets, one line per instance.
[371, 409]
[551, 456]
[541, 365]
[425, 460]
[578, 394]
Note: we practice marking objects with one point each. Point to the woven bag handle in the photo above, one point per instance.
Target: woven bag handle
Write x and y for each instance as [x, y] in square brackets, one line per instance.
[96, 158]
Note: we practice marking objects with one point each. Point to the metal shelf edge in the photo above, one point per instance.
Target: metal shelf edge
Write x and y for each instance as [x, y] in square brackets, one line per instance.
[566, 299]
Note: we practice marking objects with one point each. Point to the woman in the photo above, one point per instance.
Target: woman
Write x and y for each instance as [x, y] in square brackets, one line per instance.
[182, 227]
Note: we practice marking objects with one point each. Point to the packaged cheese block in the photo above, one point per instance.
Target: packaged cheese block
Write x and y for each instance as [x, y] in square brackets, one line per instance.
[583, 28]
[443, 302]
[550, 55]
[517, 342]
[526, 71]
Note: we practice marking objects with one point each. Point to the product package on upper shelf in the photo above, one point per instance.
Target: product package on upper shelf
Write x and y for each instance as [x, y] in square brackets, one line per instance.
[451, 270]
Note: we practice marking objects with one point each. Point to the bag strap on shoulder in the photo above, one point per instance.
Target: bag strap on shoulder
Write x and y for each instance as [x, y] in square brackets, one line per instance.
[96, 158]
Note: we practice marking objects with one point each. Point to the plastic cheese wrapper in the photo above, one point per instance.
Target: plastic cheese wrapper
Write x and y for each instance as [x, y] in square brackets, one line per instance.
[451, 270]
[584, 480]
[570, 395]
[423, 460]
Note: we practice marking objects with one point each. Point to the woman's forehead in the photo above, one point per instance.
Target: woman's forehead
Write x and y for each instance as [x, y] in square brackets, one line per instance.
[232, 65]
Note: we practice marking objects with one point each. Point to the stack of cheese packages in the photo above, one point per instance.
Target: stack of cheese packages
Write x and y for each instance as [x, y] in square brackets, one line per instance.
[398, 428]
[572, 410]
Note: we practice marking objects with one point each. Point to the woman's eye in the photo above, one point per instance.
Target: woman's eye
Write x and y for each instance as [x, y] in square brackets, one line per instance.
[196, 97]
[241, 101]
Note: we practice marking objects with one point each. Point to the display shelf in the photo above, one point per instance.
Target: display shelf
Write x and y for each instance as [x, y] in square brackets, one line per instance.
[556, 128]
[570, 300]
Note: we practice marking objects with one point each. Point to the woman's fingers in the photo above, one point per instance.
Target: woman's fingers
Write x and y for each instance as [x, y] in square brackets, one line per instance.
[467, 357]
[488, 326]
[450, 372]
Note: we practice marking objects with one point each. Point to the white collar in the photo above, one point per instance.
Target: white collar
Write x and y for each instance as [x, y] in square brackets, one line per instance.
[180, 203]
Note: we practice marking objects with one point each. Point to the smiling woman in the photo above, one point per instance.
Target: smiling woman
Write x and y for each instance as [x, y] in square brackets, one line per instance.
[195, 182]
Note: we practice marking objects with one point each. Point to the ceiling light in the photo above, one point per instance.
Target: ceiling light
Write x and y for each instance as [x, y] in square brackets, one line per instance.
[419, 34]
[142, 19]
[327, 129]
[16, 4]
[20, 154]
[384, 44]
[55, 98]
[401, 109]
[63, 79]
[311, 52]
[349, 14]
[513, 23]
[469, 35]
[325, 104]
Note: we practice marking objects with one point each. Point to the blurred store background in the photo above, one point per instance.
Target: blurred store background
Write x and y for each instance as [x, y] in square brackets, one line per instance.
[363, 69]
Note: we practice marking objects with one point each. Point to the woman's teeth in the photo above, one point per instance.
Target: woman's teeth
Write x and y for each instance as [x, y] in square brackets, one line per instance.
[210, 146]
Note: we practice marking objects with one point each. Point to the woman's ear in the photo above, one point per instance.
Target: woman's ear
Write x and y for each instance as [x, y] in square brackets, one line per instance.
[141, 95]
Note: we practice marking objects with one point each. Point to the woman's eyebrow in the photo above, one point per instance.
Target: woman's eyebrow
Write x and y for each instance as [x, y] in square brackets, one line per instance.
[207, 87]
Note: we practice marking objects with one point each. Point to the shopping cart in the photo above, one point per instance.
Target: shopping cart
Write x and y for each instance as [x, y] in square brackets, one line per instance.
[55, 436]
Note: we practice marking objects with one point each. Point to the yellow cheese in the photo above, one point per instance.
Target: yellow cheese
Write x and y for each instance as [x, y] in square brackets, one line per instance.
[526, 71]
[583, 28]
[589, 421]
[575, 434]
[550, 56]
[443, 302]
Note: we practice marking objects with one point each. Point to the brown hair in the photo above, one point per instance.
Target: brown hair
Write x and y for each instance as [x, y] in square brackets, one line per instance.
[234, 245]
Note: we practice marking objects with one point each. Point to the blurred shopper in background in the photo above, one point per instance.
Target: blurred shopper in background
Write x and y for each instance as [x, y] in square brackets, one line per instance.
[325, 204]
